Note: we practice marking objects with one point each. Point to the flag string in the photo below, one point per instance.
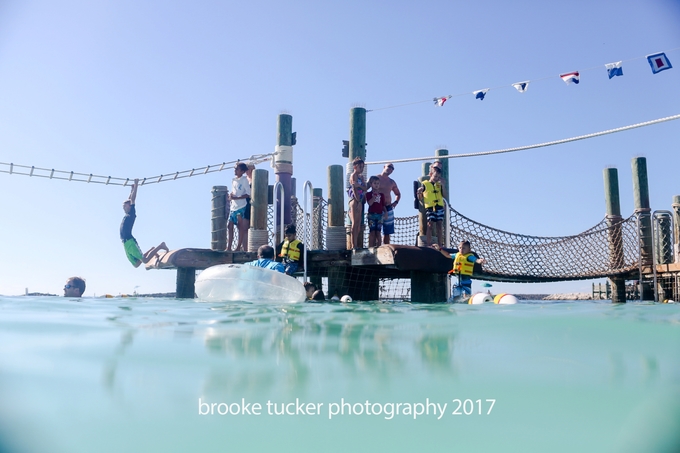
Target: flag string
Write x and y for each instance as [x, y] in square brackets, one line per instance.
[441, 100]
[538, 145]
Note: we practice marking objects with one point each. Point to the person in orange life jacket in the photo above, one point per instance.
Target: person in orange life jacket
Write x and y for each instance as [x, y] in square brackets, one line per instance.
[376, 211]
[290, 252]
[463, 264]
[430, 194]
[265, 259]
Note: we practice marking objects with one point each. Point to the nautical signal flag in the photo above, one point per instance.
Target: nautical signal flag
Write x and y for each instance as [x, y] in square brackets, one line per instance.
[570, 77]
[659, 62]
[614, 69]
[440, 101]
[521, 86]
[479, 94]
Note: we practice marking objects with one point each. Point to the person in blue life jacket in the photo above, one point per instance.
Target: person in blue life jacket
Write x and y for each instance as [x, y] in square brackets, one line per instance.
[462, 267]
[132, 250]
[265, 259]
[291, 251]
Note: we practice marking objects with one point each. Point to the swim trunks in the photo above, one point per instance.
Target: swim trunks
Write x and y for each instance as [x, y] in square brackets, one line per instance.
[435, 214]
[133, 252]
[374, 221]
[388, 224]
[233, 215]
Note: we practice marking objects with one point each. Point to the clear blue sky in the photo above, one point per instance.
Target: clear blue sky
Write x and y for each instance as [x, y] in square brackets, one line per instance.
[136, 89]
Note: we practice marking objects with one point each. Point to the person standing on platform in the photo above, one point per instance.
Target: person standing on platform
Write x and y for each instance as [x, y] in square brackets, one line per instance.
[376, 211]
[431, 195]
[387, 187]
[357, 198]
[240, 192]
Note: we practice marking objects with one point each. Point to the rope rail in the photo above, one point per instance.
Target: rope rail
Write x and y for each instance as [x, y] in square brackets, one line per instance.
[51, 173]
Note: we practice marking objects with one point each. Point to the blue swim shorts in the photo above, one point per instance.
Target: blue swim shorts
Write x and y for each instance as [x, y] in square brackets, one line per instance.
[388, 225]
[233, 215]
[375, 221]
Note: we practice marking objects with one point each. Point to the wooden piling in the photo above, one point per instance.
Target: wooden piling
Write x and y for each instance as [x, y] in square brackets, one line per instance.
[357, 148]
[445, 170]
[336, 234]
[185, 283]
[422, 217]
[614, 237]
[642, 208]
[428, 287]
[219, 218]
[284, 162]
[258, 234]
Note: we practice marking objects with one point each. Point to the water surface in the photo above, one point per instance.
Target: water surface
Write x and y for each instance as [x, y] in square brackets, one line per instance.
[127, 375]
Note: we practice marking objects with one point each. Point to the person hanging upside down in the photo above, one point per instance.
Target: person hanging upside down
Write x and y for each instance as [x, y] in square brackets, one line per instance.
[132, 250]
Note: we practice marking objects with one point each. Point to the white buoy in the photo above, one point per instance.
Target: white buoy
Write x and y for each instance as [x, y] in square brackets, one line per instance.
[504, 299]
[480, 298]
[346, 298]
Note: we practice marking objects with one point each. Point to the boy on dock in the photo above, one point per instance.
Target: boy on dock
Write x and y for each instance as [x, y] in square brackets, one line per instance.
[290, 251]
[376, 211]
[132, 250]
[431, 195]
[240, 192]
[463, 266]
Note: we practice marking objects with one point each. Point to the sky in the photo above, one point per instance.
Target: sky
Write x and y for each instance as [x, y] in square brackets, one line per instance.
[140, 88]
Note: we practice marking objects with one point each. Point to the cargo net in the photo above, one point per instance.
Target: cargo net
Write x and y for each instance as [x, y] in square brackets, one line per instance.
[609, 248]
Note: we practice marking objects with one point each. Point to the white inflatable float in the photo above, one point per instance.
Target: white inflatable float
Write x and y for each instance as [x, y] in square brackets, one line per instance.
[242, 282]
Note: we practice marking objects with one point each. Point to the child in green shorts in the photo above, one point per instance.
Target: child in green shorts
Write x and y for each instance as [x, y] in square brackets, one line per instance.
[132, 250]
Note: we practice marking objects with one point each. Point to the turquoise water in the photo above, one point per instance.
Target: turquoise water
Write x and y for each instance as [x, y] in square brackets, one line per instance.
[100, 375]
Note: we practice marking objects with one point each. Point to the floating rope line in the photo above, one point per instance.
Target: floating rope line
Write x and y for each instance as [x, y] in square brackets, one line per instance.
[501, 86]
[539, 145]
[51, 173]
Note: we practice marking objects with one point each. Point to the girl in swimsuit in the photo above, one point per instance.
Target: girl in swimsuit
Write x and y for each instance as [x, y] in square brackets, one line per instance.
[356, 190]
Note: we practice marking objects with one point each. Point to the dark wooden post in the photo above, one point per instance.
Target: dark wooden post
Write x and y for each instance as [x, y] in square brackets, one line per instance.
[284, 162]
[219, 219]
[428, 288]
[185, 284]
[357, 148]
[336, 234]
[614, 236]
[642, 208]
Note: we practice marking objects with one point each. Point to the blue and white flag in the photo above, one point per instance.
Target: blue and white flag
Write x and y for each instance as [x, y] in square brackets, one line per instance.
[614, 69]
[440, 101]
[521, 86]
[570, 77]
[479, 94]
[659, 62]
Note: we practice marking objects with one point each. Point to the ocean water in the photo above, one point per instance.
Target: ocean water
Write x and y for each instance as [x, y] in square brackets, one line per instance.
[167, 375]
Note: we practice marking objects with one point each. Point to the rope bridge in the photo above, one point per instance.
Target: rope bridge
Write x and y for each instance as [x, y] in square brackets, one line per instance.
[609, 248]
